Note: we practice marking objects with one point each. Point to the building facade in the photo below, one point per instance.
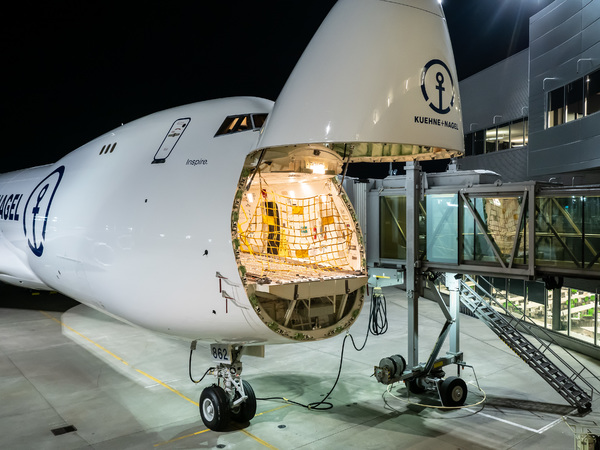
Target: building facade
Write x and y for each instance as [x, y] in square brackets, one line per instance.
[534, 115]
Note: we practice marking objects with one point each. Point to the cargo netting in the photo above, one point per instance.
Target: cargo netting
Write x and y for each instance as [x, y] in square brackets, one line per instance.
[302, 235]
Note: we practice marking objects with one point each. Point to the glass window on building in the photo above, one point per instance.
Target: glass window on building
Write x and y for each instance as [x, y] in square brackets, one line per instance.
[517, 133]
[568, 311]
[556, 107]
[592, 92]
[574, 100]
[490, 140]
[504, 137]
[479, 142]
[469, 151]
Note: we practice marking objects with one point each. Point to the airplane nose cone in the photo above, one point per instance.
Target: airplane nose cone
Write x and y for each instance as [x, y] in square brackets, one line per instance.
[375, 72]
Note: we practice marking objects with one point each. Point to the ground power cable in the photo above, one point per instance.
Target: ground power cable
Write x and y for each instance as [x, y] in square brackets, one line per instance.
[378, 325]
[192, 348]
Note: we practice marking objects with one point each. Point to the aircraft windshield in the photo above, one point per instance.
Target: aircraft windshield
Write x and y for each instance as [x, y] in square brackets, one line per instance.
[242, 122]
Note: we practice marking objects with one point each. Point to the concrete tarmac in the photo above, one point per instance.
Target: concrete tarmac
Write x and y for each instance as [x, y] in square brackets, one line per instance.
[104, 384]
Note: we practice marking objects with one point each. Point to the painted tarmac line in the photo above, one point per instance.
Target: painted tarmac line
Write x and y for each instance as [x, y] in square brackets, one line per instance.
[182, 437]
[156, 380]
[518, 425]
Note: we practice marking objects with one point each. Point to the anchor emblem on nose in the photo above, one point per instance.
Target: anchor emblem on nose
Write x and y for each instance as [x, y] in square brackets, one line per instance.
[37, 211]
[35, 247]
[441, 82]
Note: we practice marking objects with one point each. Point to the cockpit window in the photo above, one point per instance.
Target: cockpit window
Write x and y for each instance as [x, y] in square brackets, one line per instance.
[243, 122]
[259, 120]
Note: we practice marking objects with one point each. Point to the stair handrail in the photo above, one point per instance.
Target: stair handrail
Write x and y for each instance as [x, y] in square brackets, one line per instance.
[577, 375]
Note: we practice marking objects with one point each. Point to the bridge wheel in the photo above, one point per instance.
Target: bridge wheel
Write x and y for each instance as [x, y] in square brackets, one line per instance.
[453, 391]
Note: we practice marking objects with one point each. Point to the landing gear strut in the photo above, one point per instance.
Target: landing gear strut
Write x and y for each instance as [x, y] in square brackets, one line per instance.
[230, 398]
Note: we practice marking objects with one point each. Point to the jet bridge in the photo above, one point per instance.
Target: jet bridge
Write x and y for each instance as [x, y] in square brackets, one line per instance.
[472, 223]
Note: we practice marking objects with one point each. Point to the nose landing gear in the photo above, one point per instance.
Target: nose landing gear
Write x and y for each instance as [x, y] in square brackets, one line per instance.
[230, 398]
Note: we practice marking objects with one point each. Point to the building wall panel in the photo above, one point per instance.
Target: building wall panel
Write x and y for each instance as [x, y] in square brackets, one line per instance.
[551, 17]
[499, 90]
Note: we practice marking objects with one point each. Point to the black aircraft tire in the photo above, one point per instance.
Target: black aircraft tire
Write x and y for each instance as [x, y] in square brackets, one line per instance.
[453, 391]
[214, 408]
[245, 411]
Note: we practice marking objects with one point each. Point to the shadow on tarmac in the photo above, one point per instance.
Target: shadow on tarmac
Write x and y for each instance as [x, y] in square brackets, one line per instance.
[19, 298]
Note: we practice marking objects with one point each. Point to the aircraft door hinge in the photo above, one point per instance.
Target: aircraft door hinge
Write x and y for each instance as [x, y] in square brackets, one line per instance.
[221, 278]
[227, 297]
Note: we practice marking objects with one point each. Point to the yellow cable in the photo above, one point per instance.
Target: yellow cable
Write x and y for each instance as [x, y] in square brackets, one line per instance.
[407, 400]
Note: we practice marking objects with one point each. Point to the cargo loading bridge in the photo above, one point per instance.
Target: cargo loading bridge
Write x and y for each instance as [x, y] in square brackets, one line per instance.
[470, 223]
[528, 230]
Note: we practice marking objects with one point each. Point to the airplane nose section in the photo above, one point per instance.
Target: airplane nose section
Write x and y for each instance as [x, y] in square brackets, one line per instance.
[379, 75]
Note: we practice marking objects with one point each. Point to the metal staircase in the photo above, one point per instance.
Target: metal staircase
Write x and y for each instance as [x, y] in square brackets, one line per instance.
[479, 302]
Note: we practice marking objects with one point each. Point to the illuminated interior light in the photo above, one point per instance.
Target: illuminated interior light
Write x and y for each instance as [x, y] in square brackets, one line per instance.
[317, 168]
[496, 202]
[250, 197]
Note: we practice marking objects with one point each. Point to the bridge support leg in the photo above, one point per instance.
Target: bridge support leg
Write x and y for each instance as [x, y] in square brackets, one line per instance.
[452, 285]
[413, 282]
[556, 297]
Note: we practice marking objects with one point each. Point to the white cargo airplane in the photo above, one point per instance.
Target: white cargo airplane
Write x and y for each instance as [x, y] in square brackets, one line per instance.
[224, 221]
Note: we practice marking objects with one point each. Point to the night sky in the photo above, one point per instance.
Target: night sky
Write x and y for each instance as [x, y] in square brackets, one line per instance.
[75, 70]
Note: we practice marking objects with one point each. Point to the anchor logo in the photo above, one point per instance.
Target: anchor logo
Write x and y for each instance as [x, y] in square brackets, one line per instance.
[37, 208]
[437, 83]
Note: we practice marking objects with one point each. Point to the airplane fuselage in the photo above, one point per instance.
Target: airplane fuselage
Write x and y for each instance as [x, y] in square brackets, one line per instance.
[141, 240]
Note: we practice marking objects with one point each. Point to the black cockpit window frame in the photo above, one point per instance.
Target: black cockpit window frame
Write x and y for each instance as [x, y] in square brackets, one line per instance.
[241, 122]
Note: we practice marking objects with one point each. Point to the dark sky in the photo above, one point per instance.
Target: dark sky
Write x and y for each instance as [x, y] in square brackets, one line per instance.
[74, 70]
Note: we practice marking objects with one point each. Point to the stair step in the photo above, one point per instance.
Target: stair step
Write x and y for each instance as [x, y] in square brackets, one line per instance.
[508, 333]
